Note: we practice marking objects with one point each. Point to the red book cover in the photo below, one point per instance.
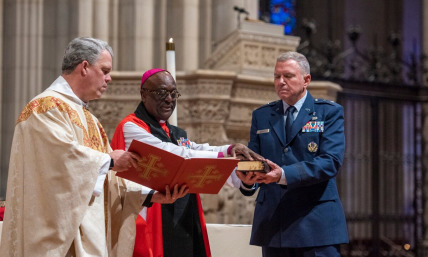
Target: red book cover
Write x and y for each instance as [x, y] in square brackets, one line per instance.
[158, 168]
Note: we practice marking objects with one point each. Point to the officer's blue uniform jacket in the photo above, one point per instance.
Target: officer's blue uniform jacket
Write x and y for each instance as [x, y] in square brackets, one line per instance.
[307, 212]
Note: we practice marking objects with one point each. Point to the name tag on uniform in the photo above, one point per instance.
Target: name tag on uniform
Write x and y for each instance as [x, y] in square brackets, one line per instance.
[262, 131]
[314, 126]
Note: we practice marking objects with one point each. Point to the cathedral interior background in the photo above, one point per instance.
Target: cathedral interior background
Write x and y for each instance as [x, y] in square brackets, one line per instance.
[369, 56]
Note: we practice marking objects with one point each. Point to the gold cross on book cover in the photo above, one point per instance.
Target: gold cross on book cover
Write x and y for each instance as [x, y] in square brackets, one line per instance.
[158, 168]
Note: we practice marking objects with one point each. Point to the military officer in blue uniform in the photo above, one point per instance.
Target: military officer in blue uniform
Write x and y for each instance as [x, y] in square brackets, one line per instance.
[298, 211]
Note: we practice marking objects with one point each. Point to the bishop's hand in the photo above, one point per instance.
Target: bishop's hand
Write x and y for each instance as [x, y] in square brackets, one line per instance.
[243, 152]
[168, 196]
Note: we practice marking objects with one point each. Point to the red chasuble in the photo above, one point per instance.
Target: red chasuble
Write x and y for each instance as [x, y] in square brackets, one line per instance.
[149, 239]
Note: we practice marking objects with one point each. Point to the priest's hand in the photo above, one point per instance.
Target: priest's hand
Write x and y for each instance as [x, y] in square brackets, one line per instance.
[123, 160]
[243, 152]
[168, 196]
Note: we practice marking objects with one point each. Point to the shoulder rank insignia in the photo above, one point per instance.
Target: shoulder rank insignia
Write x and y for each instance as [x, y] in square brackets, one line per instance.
[184, 142]
[314, 126]
[312, 147]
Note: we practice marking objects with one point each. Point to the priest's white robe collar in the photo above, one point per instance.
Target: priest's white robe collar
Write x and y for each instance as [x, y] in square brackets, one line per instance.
[61, 86]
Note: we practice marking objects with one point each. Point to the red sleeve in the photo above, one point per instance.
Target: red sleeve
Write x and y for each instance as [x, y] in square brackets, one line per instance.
[118, 140]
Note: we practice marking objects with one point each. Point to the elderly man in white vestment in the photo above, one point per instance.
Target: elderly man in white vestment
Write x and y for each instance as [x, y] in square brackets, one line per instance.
[62, 198]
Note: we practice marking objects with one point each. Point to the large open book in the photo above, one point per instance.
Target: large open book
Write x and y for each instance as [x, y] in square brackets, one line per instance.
[158, 168]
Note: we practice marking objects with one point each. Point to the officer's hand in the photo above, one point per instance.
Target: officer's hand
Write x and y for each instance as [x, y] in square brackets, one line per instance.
[273, 176]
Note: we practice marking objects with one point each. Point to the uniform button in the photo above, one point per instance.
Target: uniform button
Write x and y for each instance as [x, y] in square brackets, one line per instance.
[285, 149]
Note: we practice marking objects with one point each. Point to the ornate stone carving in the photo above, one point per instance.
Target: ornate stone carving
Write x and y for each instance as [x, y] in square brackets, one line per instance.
[200, 132]
[228, 207]
[111, 112]
[203, 110]
[249, 51]
[120, 99]
[208, 87]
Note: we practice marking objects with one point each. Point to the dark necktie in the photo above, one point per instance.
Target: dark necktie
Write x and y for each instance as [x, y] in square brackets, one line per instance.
[290, 110]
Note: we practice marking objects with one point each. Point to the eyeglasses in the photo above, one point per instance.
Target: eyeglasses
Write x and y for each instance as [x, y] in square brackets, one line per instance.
[163, 93]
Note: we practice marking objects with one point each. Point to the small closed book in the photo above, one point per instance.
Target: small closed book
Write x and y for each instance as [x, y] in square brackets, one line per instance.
[255, 166]
[158, 168]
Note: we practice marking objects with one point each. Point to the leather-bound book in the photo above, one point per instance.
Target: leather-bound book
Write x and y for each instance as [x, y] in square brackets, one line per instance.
[255, 166]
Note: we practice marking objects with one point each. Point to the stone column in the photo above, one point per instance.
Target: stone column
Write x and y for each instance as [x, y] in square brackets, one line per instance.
[205, 30]
[114, 31]
[34, 44]
[144, 27]
[185, 30]
[190, 36]
[126, 35]
[160, 36]
[85, 18]
[23, 74]
[57, 34]
[101, 19]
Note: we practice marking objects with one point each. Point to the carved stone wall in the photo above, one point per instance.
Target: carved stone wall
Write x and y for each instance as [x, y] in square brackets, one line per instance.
[251, 50]
[215, 108]
[120, 99]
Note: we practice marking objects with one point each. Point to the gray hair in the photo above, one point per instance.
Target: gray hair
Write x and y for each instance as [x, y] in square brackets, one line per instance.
[299, 58]
[83, 49]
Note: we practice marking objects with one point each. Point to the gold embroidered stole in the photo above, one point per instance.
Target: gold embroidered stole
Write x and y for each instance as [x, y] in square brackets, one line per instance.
[91, 136]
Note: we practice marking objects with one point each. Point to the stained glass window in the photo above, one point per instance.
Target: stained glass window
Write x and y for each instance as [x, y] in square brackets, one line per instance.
[282, 12]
